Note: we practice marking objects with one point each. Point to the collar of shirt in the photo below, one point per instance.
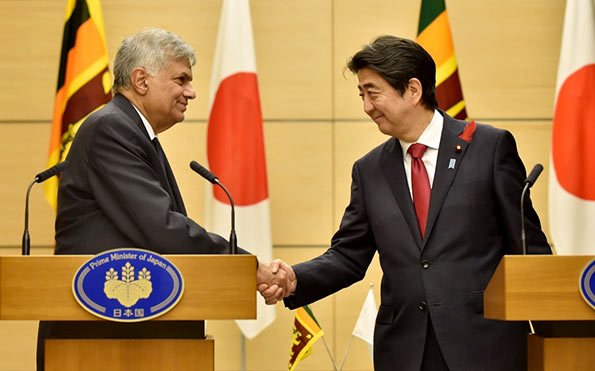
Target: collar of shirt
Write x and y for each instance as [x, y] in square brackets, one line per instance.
[148, 126]
[431, 138]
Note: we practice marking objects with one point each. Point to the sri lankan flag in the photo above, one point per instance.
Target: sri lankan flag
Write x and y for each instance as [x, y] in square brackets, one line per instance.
[306, 331]
[84, 81]
[434, 35]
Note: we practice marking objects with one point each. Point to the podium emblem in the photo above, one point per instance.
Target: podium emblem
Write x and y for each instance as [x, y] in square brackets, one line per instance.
[128, 285]
[587, 284]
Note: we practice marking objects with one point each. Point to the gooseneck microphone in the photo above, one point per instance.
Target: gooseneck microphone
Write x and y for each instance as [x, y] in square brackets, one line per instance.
[39, 178]
[202, 171]
[533, 175]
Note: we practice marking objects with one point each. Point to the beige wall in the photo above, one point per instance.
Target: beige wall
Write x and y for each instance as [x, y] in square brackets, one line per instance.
[507, 52]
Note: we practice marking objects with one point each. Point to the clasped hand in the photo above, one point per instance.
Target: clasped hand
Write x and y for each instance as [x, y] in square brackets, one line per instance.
[275, 281]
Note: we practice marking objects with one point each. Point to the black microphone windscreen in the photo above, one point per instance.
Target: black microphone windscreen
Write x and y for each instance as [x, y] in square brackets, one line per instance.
[202, 171]
[56, 169]
[537, 169]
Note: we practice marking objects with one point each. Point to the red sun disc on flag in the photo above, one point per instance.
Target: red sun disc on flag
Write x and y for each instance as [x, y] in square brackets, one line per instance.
[235, 141]
[573, 136]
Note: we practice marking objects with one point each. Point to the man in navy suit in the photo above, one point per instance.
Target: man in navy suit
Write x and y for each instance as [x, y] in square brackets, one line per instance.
[436, 259]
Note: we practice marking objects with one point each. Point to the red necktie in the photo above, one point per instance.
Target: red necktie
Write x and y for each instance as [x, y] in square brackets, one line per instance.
[420, 185]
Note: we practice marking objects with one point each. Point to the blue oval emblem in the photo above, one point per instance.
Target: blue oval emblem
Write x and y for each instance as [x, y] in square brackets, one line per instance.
[128, 285]
[587, 284]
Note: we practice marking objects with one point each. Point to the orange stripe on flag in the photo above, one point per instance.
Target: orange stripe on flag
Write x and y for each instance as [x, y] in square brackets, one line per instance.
[87, 50]
[437, 39]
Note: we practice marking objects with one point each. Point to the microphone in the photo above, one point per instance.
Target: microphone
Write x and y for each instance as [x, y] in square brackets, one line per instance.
[39, 178]
[533, 175]
[202, 171]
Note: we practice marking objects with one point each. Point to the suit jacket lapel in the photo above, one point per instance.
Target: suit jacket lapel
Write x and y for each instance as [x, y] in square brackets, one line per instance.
[391, 163]
[174, 190]
[166, 176]
[445, 174]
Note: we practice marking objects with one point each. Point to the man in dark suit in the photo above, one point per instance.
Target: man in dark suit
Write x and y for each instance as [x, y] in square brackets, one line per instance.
[119, 189]
[440, 225]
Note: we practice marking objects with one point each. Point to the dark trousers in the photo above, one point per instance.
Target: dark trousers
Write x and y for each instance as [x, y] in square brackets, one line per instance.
[433, 360]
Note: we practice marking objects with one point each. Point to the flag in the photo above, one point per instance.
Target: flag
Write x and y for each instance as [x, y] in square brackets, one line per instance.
[84, 81]
[366, 322]
[433, 34]
[572, 163]
[235, 147]
[306, 331]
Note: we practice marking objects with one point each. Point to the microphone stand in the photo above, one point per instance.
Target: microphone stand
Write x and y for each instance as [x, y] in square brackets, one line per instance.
[523, 234]
[26, 246]
[202, 171]
[233, 240]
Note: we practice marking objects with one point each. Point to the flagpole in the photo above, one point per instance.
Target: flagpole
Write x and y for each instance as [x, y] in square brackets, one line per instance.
[242, 352]
[329, 354]
[346, 352]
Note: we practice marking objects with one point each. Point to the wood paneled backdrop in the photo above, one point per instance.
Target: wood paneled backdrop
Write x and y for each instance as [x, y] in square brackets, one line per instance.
[507, 52]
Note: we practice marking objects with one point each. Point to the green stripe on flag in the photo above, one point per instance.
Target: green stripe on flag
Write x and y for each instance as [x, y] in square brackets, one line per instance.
[430, 9]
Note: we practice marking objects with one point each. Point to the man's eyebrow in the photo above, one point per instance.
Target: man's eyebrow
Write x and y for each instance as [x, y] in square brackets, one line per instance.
[185, 75]
[367, 85]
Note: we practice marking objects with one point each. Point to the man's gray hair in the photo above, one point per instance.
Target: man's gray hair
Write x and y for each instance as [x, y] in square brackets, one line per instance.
[152, 48]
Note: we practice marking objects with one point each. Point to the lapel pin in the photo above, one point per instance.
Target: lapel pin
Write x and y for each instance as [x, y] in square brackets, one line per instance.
[451, 164]
[458, 148]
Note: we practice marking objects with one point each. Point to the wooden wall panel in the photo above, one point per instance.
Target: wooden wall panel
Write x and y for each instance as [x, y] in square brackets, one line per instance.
[507, 59]
[299, 161]
[352, 141]
[24, 154]
[194, 21]
[293, 55]
[507, 53]
[534, 144]
[315, 128]
[31, 37]
[356, 23]
[300, 186]
[186, 142]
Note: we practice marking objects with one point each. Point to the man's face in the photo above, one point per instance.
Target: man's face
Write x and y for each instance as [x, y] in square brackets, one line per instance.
[168, 94]
[383, 103]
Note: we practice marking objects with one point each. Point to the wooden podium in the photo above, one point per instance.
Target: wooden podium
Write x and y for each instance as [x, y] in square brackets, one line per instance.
[219, 287]
[545, 289]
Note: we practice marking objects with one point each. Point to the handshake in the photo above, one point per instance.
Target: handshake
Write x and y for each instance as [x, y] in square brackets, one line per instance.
[275, 281]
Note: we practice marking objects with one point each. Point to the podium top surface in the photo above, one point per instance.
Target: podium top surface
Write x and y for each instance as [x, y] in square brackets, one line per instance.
[538, 287]
[40, 288]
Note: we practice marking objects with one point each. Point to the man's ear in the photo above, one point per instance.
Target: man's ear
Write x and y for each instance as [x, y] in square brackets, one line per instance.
[415, 90]
[138, 79]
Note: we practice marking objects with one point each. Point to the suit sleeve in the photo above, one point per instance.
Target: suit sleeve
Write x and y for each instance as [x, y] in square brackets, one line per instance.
[347, 260]
[128, 191]
[509, 176]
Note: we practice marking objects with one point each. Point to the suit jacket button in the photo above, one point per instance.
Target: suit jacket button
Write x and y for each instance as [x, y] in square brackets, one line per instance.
[422, 306]
[425, 264]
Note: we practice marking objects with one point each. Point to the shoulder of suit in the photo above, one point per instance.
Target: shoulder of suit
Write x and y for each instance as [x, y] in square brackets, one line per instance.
[374, 153]
[481, 129]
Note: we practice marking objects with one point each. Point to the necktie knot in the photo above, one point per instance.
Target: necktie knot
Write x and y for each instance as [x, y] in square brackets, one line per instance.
[417, 150]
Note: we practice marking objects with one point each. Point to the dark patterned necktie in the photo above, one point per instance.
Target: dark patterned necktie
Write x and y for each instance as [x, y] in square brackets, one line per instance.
[160, 153]
[420, 185]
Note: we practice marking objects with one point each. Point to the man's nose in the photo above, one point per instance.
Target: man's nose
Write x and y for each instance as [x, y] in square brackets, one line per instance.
[189, 92]
[368, 106]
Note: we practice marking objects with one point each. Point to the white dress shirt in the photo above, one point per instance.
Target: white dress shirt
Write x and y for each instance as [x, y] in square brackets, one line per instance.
[148, 126]
[430, 138]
